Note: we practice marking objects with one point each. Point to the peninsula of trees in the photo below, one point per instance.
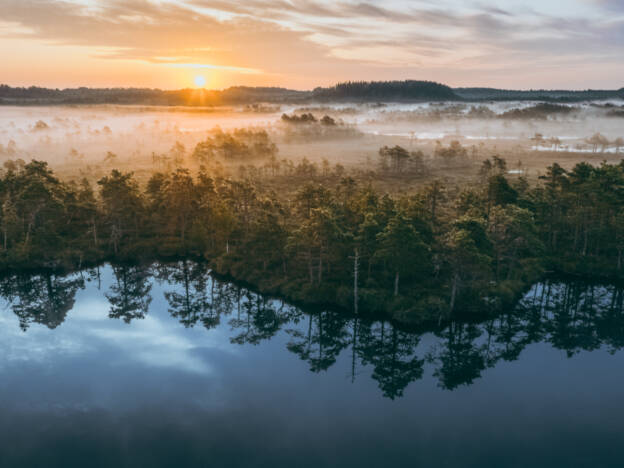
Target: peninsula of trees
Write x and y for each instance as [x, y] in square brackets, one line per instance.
[328, 237]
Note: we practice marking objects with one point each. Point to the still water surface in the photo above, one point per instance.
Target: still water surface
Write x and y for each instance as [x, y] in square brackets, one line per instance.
[164, 366]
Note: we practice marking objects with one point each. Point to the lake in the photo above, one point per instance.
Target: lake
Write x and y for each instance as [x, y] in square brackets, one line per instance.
[166, 366]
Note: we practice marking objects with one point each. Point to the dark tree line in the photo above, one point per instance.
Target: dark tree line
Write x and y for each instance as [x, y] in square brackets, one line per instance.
[182, 97]
[408, 90]
[386, 90]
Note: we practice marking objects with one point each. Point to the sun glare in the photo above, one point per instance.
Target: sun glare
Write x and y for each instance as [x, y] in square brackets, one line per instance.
[200, 81]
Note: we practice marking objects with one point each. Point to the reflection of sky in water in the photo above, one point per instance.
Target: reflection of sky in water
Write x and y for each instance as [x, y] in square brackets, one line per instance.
[152, 389]
[157, 341]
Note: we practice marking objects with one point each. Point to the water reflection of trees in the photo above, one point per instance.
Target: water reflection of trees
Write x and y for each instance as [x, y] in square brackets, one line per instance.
[190, 302]
[129, 294]
[392, 353]
[45, 298]
[320, 343]
[571, 316]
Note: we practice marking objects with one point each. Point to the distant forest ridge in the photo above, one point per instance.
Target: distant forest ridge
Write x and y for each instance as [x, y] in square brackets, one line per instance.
[353, 91]
[562, 95]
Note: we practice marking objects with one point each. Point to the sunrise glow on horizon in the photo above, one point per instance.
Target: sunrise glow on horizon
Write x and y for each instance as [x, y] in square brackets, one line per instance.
[200, 81]
[300, 45]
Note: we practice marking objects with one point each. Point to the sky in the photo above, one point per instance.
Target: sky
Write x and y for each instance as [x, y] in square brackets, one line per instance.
[301, 44]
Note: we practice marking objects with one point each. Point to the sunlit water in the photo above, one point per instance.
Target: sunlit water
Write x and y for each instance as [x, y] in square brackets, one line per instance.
[164, 366]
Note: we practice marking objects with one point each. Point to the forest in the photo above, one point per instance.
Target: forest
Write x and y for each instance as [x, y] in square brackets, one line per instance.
[538, 94]
[408, 90]
[351, 91]
[327, 235]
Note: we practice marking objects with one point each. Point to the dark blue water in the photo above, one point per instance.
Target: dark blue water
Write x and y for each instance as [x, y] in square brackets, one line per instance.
[163, 366]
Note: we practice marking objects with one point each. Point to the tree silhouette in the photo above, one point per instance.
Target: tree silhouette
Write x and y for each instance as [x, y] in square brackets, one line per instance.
[44, 299]
[129, 296]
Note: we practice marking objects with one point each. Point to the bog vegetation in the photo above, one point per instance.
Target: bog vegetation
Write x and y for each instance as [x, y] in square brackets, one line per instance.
[323, 234]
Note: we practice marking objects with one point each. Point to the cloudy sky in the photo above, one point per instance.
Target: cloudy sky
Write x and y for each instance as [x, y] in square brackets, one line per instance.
[306, 43]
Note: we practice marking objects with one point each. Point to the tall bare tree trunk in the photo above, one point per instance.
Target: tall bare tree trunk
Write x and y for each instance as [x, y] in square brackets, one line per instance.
[454, 291]
[353, 349]
[95, 240]
[310, 267]
[356, 260]
[396, 284]
[30, 225]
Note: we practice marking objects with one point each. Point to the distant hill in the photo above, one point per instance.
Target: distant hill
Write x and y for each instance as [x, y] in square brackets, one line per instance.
[409, 90]
[492, 94]
[357, 91]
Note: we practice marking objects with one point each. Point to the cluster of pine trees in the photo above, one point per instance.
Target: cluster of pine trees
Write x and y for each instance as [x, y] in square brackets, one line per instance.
[418, 256]
[386, 90]
[240, 144]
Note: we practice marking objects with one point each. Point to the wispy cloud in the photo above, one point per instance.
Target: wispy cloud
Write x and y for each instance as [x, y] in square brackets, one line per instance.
[615, 5]
[200, 66]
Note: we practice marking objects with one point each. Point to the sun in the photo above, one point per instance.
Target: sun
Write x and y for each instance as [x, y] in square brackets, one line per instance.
[200, 81]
